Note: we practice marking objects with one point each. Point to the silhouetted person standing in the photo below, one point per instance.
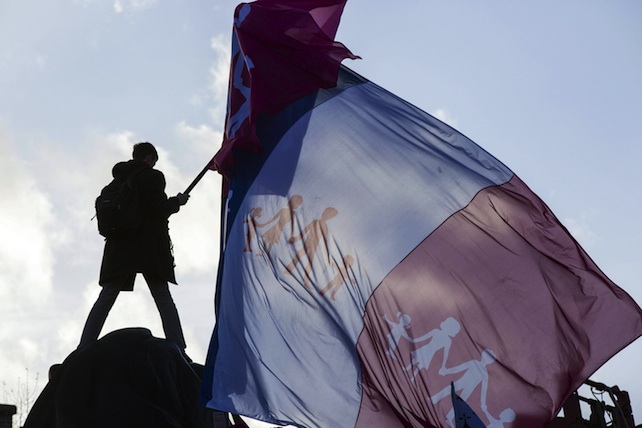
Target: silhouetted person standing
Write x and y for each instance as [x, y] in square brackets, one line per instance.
[147, 251]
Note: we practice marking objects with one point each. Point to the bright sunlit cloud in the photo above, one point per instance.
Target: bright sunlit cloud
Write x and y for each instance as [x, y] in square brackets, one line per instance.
[26, 227]
[445, 116]
[121, 6]
[580, 229]
[218, 76]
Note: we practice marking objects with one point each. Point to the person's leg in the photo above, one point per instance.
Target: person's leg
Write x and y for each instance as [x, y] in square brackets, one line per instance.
[98, 314]
[167, 309]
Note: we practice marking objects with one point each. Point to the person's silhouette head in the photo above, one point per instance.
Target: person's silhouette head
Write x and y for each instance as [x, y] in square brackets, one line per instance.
[145, 152]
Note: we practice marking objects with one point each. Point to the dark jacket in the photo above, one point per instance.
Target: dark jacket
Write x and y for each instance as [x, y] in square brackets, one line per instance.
[149, 250]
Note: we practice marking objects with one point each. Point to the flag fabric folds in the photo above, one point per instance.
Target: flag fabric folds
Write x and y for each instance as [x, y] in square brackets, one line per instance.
[376, 260]
[281, 50]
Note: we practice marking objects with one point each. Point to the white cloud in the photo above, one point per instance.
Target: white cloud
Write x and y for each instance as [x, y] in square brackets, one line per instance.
[74, 177]
[581, 231]
[30, 238]
[197, 224]
[445, 116]
[219, 75]
[26, 220]
[121, 6]
[201, 142]
[194, 229]
[220, 71]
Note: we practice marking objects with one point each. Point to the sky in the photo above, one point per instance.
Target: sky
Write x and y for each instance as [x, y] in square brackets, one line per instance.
[552, 89]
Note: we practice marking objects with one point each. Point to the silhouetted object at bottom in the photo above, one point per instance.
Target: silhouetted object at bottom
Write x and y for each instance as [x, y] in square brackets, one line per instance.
[126, 379]
[616, 414]
[6, 414]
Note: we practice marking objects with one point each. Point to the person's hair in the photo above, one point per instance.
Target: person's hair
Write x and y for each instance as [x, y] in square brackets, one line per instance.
[144, 149]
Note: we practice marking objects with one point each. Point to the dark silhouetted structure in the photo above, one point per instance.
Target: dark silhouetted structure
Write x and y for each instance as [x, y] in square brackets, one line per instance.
[6, 414]
[127, 379]
[617, 414]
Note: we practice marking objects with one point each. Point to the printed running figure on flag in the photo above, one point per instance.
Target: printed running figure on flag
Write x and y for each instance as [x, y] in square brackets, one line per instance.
[381, 269]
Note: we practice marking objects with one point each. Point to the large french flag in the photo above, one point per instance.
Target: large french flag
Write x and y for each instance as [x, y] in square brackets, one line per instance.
[376, 261]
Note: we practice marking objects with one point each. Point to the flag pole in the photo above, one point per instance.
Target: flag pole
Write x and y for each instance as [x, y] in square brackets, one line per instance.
[198, 178]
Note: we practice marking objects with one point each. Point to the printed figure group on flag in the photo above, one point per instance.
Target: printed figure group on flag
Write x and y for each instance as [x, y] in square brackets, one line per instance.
[471, 375]
[312, 237]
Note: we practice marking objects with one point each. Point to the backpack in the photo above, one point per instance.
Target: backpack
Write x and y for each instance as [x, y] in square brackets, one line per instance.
[118, 209]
